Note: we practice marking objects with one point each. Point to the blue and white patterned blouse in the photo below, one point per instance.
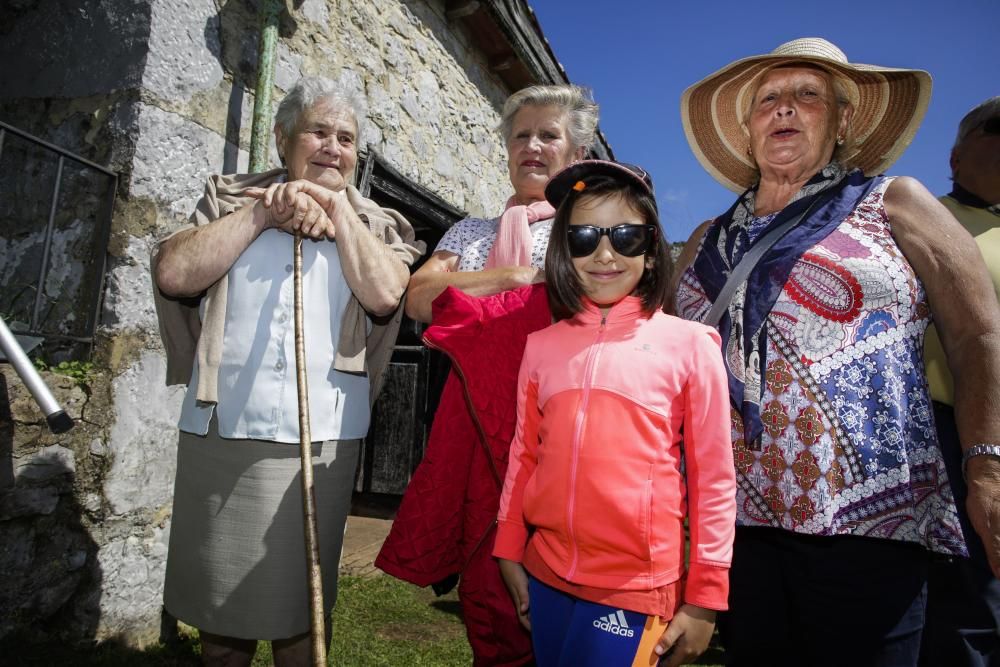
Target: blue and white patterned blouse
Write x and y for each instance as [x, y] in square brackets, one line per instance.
[849, 444]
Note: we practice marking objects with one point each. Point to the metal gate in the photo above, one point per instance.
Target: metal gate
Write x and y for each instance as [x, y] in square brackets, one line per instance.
[55, 222]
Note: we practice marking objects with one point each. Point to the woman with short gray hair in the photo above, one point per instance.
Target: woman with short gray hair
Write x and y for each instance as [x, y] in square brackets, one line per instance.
[236, 558]
[544, 129]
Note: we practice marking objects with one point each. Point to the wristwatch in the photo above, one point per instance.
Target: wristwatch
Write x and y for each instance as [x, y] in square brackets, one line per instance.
[981, 449]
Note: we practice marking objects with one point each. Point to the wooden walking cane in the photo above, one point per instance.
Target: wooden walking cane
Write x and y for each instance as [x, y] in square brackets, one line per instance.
[317, 630]
[270, 11]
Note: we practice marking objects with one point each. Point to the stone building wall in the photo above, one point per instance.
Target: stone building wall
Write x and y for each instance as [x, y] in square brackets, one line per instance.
[157, 90]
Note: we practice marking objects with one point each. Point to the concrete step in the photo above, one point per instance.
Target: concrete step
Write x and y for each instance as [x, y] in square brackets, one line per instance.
[362, 542]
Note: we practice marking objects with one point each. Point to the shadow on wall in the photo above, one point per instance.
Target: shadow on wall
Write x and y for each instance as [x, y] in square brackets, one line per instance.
[51, 576]
[233, 37]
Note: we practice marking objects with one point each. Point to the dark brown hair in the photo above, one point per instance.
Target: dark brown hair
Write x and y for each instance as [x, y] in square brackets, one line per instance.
[561, 280]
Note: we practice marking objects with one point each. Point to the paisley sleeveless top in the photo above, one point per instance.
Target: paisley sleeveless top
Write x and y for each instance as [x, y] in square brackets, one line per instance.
[849, 444]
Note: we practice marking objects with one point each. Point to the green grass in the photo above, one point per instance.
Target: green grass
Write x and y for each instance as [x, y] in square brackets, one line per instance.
[379, 621]
[384, 621]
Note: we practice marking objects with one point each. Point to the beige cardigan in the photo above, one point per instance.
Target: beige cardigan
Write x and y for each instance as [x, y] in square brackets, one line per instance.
[186, 336]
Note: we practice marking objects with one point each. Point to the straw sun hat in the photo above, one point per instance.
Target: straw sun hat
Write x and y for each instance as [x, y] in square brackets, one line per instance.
[888, 103]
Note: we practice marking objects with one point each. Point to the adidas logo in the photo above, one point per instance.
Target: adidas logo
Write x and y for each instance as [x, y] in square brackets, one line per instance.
[615, 624]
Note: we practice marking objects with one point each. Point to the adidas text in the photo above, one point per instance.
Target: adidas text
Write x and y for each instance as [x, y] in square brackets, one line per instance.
[615, 624]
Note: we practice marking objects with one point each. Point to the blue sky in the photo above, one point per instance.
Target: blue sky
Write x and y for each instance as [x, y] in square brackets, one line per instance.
[639, 56]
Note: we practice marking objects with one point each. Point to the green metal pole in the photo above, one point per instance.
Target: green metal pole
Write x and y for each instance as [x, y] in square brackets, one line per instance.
[261, 129]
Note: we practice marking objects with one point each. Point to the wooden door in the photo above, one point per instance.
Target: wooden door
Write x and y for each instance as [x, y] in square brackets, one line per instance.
[402, 416]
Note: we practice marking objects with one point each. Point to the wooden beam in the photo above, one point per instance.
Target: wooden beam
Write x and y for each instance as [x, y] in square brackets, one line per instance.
[461, 9]
[515, 20]
[502, 63]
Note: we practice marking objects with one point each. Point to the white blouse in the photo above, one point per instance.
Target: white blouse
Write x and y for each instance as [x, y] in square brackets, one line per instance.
[258, 398]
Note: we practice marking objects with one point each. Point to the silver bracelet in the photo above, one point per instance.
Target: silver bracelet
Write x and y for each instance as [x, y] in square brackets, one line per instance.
[979, 449]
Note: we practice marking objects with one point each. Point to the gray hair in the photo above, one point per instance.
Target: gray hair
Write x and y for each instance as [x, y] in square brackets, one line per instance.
[979, 115]
[840, 151]
[577, 102]
[310, 91]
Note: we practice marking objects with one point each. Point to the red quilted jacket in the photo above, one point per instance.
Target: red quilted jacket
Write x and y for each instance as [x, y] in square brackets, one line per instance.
[450, 507]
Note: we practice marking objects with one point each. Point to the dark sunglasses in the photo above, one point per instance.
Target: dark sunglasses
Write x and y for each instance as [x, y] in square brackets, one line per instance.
[627, 239]
[992, 126]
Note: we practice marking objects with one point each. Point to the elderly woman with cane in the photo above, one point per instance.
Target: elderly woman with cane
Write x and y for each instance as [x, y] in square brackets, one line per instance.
[821, 279]
[236, 567]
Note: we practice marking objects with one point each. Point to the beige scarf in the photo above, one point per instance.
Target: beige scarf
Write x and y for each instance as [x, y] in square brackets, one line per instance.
[186, 336]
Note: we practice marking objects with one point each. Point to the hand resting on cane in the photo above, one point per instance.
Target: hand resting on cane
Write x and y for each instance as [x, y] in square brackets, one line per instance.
[292, 210]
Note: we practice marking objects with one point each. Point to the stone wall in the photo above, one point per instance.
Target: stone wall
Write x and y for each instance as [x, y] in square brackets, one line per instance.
[157, 90]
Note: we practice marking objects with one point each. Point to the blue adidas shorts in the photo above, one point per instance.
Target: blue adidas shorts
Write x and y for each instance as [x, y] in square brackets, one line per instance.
[568, 631]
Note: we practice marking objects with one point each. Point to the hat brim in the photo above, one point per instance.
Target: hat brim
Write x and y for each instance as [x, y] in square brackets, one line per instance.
[889, 107]
[563, 182]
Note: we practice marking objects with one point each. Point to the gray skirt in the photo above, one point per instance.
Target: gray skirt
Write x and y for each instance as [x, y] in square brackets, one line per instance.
[236, 564]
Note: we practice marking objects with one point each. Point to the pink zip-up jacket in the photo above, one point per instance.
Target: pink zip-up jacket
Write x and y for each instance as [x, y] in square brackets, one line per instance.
[596, 460]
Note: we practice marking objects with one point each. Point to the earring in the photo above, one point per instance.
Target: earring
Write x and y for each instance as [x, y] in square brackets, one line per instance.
[840, 141]
[749, 150]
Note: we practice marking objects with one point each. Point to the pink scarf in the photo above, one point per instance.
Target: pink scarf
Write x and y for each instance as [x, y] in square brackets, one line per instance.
[513, 244]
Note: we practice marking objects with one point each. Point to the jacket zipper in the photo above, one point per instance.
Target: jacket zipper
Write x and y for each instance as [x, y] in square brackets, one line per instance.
[590, 370]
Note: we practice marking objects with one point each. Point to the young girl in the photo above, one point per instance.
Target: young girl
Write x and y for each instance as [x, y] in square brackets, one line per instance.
[590, 532]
